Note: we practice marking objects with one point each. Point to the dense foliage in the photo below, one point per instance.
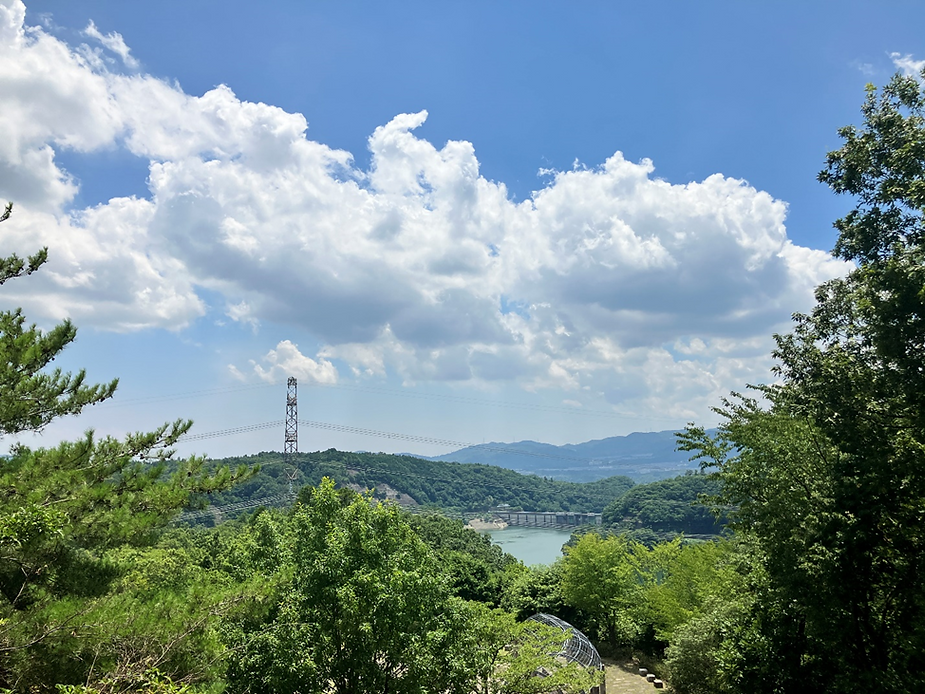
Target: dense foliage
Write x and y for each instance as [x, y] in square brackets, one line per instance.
[364, 607]
[827, 468]
[672, 506]
[71, 518]
[626, 595]
[476, 568]
[449, 486]
[361, 604]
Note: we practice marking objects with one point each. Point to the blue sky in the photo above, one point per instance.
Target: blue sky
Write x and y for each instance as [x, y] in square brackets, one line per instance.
[462, 221]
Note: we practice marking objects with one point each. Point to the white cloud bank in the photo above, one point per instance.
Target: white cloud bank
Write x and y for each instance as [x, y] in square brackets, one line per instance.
[658, 296]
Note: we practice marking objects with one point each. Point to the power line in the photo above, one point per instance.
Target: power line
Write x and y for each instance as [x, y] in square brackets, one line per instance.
[231, 432]
[235, 506]
[414, 438]
[438, 442]
[482, 401]
[252, 503]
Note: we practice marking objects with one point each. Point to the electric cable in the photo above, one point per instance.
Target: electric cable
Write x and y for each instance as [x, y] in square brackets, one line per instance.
[344, 428]
[434, 441]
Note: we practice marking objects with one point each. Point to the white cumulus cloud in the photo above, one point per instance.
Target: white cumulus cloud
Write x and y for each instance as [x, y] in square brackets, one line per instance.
[608, 280]
[286, 360]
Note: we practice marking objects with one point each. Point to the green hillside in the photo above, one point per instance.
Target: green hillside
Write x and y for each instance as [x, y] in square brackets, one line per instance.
[666, 508]
[449, 486]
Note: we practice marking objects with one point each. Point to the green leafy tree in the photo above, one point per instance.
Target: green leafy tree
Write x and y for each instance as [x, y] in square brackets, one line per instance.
[366, 610]
[29, 396]
[695, 656]
[600, 578]
[678, 580]
[536, 589]
[431, 483]
[827, 470]
[62, 509]
[477, 568]
[742, 637]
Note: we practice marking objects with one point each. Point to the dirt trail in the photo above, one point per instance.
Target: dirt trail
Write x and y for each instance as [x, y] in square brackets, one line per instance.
[623, 678]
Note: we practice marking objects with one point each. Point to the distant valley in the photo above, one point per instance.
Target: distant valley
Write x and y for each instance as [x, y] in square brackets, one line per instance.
[642, 456]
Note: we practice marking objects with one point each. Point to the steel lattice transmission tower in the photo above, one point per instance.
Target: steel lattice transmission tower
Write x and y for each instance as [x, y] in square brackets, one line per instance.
[291, 444]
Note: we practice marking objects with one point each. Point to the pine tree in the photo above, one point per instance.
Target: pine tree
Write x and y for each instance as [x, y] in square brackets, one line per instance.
[63, 508]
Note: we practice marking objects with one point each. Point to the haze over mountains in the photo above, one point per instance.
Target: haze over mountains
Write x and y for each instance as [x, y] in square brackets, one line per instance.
[643, 456]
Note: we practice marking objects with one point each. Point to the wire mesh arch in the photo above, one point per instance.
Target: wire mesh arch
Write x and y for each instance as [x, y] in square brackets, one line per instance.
[576, 647]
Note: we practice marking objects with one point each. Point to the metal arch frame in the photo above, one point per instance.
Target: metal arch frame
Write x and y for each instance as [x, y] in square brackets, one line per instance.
[576, 647]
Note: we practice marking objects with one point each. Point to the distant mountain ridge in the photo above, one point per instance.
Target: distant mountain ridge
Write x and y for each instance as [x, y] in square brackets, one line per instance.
[643, 456]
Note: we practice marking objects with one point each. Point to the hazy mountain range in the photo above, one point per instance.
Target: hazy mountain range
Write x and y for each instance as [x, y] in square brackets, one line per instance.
[642, 456]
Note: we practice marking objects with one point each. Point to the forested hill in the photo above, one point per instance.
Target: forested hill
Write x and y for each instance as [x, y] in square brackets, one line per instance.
[667, 507]
[643, 456]
[451, 486]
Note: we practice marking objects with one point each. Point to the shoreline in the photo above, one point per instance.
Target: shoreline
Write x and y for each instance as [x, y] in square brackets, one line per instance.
[478, 524]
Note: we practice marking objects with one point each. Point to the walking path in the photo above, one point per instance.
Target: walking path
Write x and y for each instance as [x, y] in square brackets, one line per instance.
[623, 678]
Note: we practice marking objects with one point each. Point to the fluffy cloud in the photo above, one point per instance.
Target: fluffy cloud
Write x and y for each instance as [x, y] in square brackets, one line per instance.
[52, 98]
[113, 42]
[102, 270]
[907, 64]
[655, 295]
[286, 360]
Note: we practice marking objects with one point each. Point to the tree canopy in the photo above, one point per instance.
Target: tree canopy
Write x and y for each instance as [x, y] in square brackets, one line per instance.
[827, 468]
[65, 509]
[363, 604]
[667, 506]
[459, 487]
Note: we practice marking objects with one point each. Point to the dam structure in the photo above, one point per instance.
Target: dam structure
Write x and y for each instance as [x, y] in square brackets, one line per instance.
[548, 519]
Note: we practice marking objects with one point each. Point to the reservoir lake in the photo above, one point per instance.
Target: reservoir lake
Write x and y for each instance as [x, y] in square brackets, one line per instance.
[531, 545]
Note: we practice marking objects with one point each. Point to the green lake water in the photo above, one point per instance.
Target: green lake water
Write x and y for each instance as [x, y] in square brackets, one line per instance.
[531, 545]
